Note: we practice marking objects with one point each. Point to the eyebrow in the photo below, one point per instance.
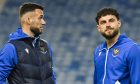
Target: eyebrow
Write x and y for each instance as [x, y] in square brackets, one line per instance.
[111, 19]
[108, 19]
[103, 21]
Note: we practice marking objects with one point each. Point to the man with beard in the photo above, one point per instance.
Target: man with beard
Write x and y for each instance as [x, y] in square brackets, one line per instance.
[26, 58]
[117, 60]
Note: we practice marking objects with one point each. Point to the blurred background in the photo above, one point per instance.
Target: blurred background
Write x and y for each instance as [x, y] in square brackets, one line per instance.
[71, 32]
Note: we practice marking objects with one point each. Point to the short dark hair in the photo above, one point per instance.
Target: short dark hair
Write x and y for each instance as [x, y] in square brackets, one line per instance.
[28, 7]
[107, 11]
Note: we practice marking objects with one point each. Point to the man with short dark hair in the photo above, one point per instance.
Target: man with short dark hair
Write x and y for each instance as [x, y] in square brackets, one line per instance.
[117, 60]
[26, 58]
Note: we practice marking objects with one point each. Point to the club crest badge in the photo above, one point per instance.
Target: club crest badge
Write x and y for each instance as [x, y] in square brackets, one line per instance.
[115, 52]
[43, 50]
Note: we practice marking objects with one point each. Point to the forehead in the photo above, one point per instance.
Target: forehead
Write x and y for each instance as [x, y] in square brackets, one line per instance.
[39, 11]
[107, 17]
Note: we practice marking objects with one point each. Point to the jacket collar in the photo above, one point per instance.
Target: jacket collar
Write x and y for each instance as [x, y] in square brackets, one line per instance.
[120, 40]
[19, 34]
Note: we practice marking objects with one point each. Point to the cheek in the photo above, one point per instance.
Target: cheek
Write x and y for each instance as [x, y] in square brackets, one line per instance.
[115, 25]
[119, 25]
[35, 23]
[98, 28]
[38, 22]
[101, 28]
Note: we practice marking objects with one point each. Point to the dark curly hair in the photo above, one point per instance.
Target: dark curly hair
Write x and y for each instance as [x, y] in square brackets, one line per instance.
[107, 11]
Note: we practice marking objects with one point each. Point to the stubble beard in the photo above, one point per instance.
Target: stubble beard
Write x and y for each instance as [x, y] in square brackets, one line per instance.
[110, 36]
[35, 31]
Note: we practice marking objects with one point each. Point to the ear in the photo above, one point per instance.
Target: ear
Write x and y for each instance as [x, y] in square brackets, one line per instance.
[28, 20]
[98, 28]
[119, 23]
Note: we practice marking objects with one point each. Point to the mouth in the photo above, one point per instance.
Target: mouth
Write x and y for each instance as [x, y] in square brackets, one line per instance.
[109, 29]
[41, 27]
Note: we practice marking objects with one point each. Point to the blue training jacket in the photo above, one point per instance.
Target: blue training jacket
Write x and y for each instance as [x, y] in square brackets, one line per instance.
[120, 64]
[8, 56]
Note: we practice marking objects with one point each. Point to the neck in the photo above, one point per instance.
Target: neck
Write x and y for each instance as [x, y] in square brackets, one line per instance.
[112, 41]
[26, 30]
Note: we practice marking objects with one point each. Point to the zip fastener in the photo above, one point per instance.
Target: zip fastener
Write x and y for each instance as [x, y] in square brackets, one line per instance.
[105, 66]
[106, 61]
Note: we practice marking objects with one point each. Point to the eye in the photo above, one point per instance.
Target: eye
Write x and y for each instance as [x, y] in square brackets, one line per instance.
[111, 20]
[41, 17]
[102, 22]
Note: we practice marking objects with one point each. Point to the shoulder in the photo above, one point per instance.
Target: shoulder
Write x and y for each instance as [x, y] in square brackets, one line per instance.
[43, 42]
[132, 46]
[98, 48]
[134, 52]
[8, 52]
[127, 44]
[135, 47]
[8, 47]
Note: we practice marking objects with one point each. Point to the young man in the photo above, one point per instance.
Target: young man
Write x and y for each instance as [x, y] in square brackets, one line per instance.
[27, 59]
[117, 60]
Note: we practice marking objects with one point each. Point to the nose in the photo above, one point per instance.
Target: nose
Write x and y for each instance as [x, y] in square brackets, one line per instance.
[43, 22]
[107, 24]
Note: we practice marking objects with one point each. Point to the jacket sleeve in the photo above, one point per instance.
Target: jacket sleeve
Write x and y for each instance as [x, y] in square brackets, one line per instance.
[95, 78]
[8, 59]
[134, 64]
[95, 73]
[51, 54]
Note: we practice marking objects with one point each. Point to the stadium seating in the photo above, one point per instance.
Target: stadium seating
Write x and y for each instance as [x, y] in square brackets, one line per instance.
[71, 31]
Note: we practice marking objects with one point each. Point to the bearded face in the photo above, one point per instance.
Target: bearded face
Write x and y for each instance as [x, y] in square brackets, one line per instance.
[37, 22]
[36, 31]
[110, 35]
[109, 26]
